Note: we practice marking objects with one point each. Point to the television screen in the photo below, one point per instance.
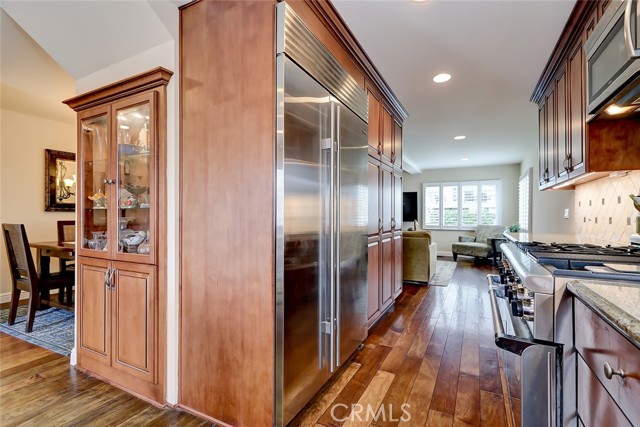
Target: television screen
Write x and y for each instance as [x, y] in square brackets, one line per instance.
[409, 206]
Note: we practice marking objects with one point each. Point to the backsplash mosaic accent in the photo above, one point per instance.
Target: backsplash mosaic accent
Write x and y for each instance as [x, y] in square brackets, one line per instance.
[604, 213]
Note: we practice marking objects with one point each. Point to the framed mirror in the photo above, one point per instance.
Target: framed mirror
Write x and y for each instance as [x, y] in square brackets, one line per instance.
[60, 181]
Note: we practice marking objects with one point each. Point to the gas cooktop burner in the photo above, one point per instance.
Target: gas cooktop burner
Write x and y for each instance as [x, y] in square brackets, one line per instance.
[537, 249]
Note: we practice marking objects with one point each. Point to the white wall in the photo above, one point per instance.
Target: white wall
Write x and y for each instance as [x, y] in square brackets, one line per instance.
[547, 207]
[32, 118]
[508, 174]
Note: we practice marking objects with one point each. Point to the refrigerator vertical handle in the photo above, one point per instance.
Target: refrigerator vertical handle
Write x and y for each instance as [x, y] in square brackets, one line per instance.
[332, 245]
[336, 153]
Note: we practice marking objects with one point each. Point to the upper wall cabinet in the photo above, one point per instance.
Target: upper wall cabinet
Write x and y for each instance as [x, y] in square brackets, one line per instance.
[570, 149]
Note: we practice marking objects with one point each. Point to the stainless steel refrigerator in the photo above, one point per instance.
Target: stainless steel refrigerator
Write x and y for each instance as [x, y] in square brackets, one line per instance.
[321, 238]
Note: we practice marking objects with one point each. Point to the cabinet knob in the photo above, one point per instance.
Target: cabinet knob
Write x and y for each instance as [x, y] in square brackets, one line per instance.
[609, 372]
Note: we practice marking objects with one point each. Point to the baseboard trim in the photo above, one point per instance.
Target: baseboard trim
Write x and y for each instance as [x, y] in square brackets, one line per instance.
[445, 253]
[5, 297]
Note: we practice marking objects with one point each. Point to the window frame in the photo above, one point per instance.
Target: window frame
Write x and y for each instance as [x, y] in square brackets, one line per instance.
[459, 185]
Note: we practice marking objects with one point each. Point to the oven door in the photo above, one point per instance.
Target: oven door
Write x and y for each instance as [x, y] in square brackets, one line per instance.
[533, 368]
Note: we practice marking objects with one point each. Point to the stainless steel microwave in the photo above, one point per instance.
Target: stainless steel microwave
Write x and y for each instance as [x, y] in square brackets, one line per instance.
[613, 60]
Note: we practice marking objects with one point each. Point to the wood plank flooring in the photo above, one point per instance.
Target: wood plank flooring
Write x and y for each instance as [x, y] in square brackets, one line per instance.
[40, 388]
[430, 363]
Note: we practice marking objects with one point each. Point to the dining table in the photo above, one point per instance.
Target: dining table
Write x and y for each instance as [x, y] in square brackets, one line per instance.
[47, 250]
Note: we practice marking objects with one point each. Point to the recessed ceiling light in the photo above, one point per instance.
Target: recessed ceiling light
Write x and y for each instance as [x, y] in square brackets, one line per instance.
[464, 159]
[459, 137]
[442, 77]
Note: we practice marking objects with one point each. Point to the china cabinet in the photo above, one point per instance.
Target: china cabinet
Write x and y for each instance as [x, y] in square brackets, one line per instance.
[120, 216]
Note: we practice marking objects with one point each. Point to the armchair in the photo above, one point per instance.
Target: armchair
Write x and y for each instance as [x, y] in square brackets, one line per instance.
[485, 243]
[419, 256]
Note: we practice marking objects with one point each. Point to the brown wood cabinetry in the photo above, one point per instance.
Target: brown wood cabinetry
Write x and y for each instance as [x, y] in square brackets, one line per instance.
[569, 148]
[397, 264]
[228, 251]
[599, 398]
[121, 212]
[397, 145]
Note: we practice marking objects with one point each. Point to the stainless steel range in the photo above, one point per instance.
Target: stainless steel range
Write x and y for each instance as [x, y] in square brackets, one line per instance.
[533, 320]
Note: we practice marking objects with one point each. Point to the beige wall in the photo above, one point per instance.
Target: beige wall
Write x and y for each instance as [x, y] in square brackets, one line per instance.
[604, 211]
[32, 118]
[547, 208]
[508, 174]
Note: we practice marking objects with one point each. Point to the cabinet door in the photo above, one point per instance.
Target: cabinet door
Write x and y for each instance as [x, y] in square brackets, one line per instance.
[134, 171]
[576, 110]
[94, 309]
[373, 281]
[542, 146]
[397, 264]
[396, 219]
[375, 140]
[562, 151]
[387, 135]
[374, 223]
[387, 200]
[397, 144]
[94, 173]
[134, 320]
[550, 139]
[387, 271]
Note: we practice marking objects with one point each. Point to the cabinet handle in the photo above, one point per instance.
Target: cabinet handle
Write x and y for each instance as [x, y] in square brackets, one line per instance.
[609, 372]
[105, 280]
[393, 223]
[113, 285]
[379, 224]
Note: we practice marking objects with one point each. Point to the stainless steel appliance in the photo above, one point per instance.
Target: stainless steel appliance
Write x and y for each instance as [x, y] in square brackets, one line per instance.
[321, 241]
[612, 51]
[535, 311]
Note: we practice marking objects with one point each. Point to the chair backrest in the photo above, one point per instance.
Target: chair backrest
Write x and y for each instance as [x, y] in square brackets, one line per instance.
[19, 254]
[66, 231]
[483, 232]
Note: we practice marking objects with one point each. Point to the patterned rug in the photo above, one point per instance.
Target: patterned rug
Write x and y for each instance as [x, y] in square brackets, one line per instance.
[53, 328]
[444, 272]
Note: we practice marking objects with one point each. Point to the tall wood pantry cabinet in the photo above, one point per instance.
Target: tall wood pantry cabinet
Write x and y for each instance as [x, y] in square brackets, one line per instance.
[120, 217]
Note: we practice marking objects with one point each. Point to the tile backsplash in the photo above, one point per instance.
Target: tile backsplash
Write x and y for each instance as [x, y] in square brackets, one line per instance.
[604, 213]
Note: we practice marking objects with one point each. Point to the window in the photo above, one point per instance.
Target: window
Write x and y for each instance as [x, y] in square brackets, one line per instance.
[524, 201]
[462, 205]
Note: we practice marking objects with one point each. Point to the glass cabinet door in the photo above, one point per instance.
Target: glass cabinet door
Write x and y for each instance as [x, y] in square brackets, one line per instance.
[93, 205]
[135, 177]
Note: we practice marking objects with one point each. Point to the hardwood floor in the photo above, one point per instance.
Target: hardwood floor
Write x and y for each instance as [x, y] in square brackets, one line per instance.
[40, 388]
[430, 363]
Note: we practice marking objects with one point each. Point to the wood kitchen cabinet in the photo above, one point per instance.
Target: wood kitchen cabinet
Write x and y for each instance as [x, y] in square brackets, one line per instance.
[397, 145]
[569, 148]
[374, 273]
[375, 141]
[603, 400]
[121, 217]
[397, 264]
[117, 311]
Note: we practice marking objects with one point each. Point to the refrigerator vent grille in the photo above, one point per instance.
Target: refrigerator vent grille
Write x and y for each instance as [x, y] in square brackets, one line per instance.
[301, 45]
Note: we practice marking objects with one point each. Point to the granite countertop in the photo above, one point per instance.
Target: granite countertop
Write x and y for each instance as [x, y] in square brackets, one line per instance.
[618, 302]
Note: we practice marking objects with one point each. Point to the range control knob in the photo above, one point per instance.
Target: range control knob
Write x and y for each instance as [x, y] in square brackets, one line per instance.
[522, 308]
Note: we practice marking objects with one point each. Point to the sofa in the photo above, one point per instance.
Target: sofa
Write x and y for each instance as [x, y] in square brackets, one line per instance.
[480, 245]
[419, 254]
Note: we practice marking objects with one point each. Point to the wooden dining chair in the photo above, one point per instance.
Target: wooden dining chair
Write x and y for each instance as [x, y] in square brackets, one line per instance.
[25, 277]
[66, 231]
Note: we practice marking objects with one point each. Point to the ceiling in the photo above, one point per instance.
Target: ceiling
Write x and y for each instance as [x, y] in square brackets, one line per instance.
[495, 51]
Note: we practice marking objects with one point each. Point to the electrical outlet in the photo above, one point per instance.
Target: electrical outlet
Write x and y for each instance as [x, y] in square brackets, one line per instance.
[566, 213]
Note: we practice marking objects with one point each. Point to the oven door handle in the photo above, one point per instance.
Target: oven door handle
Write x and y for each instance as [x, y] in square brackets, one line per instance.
[512, 343]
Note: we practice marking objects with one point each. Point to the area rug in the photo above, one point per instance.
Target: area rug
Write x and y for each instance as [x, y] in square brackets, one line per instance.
[53, 328]
[444, 272]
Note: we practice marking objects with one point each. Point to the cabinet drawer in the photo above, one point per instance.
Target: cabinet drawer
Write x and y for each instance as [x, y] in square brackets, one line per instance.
[599, 343]
[595, 407]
